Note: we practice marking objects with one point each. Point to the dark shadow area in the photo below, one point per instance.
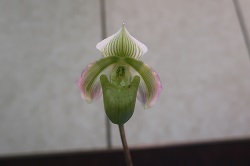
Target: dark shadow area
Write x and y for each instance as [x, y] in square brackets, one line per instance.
[222, 153]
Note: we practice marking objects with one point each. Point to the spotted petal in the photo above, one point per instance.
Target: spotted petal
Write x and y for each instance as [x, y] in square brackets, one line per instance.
[150, 86]
[89, 82]
[122, 44]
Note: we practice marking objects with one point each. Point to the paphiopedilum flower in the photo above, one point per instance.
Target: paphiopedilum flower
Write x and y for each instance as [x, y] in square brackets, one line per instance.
[121, 76]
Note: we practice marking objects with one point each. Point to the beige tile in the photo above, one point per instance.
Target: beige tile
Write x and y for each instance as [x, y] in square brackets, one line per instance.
[198, 50]
[44, 47]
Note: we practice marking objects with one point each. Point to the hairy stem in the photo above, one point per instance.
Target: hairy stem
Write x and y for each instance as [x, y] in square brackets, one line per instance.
[125, 146]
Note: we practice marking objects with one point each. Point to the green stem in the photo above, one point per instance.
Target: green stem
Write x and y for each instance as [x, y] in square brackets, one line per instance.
[125, 146]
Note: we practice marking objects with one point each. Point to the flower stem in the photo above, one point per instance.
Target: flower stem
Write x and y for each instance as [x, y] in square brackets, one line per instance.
[125, 146]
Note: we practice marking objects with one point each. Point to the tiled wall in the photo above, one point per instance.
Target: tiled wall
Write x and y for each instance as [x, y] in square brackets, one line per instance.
[197, 47]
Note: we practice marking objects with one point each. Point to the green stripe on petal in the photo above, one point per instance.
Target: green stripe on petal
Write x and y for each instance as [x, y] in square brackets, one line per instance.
[150, 86]
[89, 82]
[122, 44]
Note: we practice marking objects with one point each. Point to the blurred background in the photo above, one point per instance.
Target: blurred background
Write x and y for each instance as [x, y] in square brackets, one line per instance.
[199, 48]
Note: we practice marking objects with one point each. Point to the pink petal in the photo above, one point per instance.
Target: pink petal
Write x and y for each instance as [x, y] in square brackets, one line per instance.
[89, 82]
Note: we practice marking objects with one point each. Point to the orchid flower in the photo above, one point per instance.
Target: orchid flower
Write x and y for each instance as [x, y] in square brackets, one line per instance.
[120, 76]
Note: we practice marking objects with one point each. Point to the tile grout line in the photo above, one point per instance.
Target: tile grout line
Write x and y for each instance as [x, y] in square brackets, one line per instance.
[103, 19]
[104, 35]
[242, 25]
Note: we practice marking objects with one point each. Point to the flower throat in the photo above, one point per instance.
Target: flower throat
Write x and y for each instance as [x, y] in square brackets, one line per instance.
[120, 75]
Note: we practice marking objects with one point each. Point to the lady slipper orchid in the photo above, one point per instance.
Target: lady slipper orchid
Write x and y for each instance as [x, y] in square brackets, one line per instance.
[120, 76]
